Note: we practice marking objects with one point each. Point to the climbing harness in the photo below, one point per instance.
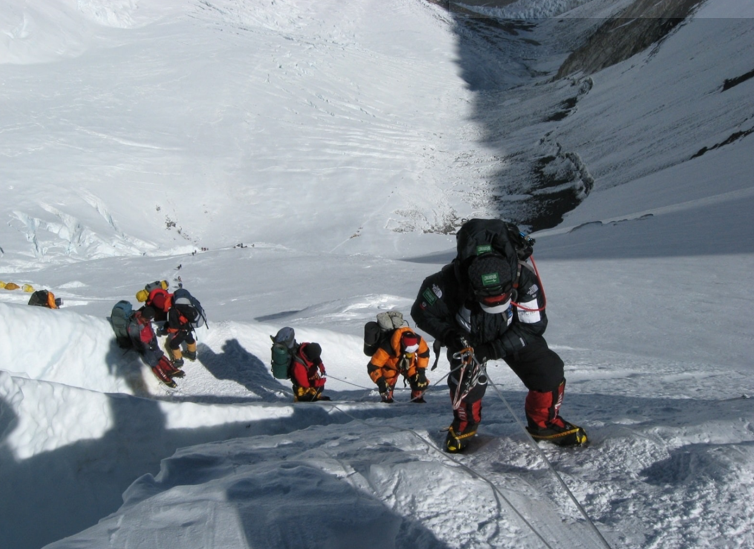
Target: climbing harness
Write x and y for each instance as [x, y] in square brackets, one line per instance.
[470, 374]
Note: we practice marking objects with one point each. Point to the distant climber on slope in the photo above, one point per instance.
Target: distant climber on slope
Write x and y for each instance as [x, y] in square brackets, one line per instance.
[45, 298]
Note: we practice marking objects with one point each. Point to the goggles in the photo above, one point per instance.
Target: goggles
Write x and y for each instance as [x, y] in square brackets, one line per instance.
[495, 295]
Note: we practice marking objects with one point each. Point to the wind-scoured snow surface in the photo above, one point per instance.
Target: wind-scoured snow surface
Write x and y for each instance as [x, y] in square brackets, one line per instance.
[305, 164]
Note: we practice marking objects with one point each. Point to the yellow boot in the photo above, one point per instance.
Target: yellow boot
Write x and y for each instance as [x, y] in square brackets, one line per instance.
[191, 351]
[176, 357]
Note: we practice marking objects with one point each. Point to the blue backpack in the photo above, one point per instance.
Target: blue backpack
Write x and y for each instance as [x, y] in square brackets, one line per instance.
[120, 318]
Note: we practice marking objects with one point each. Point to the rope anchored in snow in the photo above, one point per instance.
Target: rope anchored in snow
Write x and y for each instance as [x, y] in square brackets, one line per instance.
[473, 472]
[552, 469]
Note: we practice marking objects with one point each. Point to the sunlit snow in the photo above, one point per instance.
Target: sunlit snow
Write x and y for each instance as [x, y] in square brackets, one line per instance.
[306, 164]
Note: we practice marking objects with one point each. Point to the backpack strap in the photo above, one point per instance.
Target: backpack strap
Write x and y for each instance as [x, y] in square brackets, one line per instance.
[534, 269]
[386, 343]
[436, 346]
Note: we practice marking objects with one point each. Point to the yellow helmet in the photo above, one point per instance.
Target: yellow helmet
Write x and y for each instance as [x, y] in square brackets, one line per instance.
[142, 296]
[164, 284]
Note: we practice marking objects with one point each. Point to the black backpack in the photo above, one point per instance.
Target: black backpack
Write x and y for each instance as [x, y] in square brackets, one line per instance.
[40, 298]
[189, 307]
[377, 333]
[481, 236]
[478, 237]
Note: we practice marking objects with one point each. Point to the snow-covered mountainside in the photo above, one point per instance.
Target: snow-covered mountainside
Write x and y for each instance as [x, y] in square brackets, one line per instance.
[306, 164]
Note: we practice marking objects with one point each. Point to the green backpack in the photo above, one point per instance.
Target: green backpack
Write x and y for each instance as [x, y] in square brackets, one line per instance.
[283, 347]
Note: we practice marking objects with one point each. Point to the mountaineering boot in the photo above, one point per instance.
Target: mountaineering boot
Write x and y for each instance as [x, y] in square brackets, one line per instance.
[386, 390]
[320, 396]
[190, 352]
[559, 432]
[176, 357]
[418, 397]
[456, 443]
[544, 423]
[305, 394]
[162, 376]
[387, 396]
[169, 369]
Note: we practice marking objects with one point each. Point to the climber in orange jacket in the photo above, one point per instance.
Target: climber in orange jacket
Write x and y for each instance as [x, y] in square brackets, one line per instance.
[406, 353]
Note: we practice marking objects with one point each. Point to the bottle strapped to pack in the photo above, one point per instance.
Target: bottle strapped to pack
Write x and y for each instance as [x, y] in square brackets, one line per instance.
[283, 352]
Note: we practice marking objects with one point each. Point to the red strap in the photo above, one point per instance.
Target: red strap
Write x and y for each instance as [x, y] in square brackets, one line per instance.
[541, 288]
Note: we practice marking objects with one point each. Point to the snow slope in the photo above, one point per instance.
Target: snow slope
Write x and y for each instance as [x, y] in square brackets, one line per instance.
[297, 163]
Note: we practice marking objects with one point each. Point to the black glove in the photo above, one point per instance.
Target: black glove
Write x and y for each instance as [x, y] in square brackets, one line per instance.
[382, 385]
[485, 352]
[455, 341]
[419, 380]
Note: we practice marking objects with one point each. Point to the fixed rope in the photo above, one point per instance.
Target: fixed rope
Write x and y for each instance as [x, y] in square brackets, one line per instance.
[468, 469]
[552, 469]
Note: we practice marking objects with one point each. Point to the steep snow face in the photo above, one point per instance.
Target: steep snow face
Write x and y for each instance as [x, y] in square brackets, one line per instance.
[642, 24]
[523, 9]
[54, 30]
[38, 32]
[250, 113]
[565, 139]
[306, 144]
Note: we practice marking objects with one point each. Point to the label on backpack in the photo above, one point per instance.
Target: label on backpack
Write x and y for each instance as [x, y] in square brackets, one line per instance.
[483, 249]
[491, 279]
